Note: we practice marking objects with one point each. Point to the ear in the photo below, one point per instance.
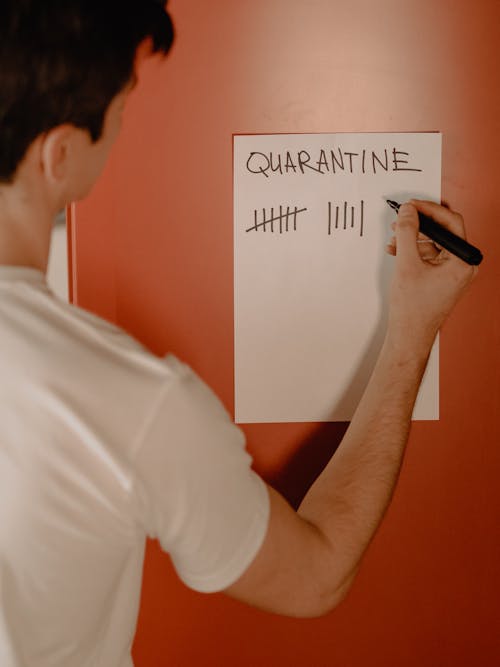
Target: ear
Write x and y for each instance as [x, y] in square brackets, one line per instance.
[143, 52]
[56, 152]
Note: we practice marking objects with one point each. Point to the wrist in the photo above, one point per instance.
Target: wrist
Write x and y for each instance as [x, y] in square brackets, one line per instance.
[409, 347]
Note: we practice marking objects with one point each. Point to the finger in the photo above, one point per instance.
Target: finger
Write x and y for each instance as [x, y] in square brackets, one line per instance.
[444, 216]
[421, 237]
[407, 233]
[391, 246]
[391, 249]
[428, 250]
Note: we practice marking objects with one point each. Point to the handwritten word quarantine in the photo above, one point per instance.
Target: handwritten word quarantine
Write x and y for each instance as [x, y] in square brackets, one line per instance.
[330, 161]
[283, 219]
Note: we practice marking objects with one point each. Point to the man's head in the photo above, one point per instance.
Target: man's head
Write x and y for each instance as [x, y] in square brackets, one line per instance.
[66, 67]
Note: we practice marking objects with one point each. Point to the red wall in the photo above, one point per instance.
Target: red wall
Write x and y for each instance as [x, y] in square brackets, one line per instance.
[151, 249]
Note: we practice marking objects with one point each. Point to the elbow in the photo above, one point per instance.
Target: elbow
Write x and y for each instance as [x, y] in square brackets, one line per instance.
[326, 601]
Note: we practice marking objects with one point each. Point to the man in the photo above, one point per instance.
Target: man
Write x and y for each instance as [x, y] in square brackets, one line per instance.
[101, 443]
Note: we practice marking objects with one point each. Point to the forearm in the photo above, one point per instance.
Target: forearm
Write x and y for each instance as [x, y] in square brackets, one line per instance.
[348, 500]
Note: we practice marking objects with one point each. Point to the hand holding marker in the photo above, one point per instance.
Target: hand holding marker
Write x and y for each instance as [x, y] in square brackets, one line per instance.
[446, 239]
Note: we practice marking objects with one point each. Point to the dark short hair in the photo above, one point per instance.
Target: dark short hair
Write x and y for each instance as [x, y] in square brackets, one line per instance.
[63, 61]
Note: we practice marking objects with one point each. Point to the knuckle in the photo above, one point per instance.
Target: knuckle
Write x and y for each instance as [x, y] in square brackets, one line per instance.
[472, 273]
[464, 275]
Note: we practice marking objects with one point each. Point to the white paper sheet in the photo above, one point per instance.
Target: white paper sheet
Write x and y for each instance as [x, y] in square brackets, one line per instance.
[311, 272]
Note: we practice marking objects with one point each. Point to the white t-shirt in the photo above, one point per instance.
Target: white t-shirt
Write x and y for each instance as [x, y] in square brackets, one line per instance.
[101, 444]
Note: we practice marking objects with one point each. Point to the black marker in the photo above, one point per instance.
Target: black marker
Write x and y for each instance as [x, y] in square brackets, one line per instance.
[446, 239]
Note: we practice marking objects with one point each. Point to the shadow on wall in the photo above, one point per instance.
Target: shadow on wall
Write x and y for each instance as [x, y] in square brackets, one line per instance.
[300, 471]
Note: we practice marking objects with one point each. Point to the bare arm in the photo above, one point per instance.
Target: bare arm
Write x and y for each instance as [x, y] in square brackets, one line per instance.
[310, 557]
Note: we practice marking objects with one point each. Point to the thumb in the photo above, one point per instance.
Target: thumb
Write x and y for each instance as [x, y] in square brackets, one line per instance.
[407, 226]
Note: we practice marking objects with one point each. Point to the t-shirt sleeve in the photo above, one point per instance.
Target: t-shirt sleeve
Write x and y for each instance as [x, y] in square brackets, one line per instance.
[198, 493]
